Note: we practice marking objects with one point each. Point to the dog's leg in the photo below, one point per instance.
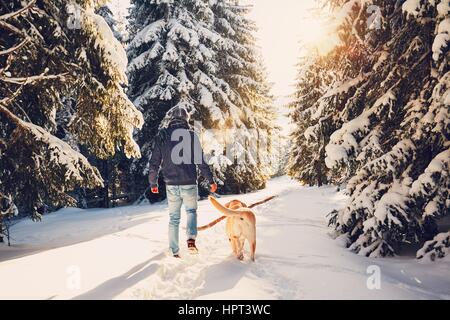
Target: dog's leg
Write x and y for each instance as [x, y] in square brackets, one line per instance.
[234, 248]
[231, 240]
[253, 249]
[237, 248]
[240, 252]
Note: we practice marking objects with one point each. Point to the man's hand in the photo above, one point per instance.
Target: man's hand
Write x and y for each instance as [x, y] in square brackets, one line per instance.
[213, 187]
[154, 189]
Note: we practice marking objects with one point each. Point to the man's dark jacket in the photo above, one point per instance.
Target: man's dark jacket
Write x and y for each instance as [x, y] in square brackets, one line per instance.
[177, 173]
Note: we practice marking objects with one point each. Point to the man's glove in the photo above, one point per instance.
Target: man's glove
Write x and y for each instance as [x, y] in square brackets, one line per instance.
[154, 189]
[213, 187]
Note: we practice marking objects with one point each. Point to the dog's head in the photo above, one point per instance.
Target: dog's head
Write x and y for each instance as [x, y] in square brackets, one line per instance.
[235, 204]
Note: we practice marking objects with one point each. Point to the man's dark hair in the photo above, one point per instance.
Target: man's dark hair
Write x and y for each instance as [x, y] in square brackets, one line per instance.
[179, 113]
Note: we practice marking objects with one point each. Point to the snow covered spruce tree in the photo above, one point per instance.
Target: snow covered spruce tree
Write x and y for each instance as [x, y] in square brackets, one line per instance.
[111, 169]
[108, 168]
[306, 161]
[105, 12]
[51, 50]
[388, 110]
[186, 53]
[252, 112]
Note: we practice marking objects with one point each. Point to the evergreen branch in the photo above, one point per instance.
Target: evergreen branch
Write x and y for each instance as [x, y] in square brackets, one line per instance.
[36, 30]
[10, 50]
[18, 12]
[355, 32]
[410, 69]
[11, 28]
[23, 82]
[23, 111]
[3, 109]
[8, 100]
[28, 80]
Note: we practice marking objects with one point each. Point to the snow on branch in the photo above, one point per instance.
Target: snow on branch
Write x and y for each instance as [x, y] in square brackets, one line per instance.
[412, 7]
[149, 34]
[433, 185]
[141, 60]
[417, 8]
[437, 248]
[442, 39]
[365, 192]
[345, 141]
[105, 41]
[76, 167]
[113, 125]
[343, 16]
[443, 8]
[345, 86]
[385, 165]
[60, 153]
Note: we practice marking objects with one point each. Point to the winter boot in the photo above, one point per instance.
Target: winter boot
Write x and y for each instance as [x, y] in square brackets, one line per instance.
[191, 246]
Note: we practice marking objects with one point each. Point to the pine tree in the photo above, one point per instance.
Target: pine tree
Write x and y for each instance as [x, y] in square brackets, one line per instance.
[113, 177]
[253, 115]
[390, 124]
[178, 54]
[107, 14]
[307, 153]
[280, 157]
[51, 50]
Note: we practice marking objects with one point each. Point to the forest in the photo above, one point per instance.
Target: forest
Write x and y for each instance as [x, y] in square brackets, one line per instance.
[84, 94]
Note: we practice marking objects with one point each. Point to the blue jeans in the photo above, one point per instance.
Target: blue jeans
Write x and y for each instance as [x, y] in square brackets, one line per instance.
[176, 196]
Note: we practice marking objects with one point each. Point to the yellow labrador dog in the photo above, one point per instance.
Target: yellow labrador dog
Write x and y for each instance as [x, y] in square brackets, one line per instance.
[241, 226]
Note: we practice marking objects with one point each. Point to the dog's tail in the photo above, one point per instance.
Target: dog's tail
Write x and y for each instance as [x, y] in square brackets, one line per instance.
[211, 224]
[226, 211]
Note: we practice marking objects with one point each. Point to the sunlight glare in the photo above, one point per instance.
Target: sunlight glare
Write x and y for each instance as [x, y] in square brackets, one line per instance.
[317, 35]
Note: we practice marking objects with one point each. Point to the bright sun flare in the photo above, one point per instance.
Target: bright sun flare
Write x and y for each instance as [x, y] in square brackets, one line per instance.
[318, 35]
[297, 27]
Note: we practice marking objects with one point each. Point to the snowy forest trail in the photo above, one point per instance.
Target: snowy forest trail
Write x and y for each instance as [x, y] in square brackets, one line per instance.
[121, 253]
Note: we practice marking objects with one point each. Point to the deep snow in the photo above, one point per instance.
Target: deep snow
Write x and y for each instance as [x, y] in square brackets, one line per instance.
[121, 254]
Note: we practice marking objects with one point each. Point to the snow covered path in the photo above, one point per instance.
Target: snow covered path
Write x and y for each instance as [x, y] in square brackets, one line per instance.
[121, 254]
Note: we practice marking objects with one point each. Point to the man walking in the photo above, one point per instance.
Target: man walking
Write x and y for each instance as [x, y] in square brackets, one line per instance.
[177, 151]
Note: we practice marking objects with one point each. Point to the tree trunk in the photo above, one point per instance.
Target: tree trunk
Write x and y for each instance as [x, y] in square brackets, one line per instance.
[319, 174]
[106, 187]
[114, 182]
[1, 231]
